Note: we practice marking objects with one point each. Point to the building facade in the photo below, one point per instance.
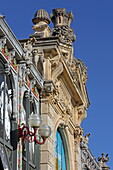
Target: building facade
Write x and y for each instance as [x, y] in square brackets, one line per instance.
[40, 76]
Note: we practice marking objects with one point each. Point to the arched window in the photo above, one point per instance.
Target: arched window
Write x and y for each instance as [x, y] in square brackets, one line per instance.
[60, 154]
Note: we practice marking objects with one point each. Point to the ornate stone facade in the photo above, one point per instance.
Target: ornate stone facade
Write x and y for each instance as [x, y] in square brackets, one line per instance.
[64, 99]
[46, 70]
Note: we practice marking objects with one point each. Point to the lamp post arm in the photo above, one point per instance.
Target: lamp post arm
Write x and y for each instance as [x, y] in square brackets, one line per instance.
[23, 132]
[37, 141]
[26, 134]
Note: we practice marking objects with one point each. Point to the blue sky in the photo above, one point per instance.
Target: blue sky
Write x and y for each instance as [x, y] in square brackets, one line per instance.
[93, 26]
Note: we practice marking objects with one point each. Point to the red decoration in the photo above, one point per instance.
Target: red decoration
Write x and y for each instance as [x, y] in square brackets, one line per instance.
[26, 134]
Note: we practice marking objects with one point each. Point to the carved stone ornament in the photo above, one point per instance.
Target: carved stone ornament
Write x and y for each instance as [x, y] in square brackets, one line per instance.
[65, 34]
[28, 46]
[49, 90]
[58, 69]
[81, 113]
[102, 161]
[63, 125]
[86, 138]
[38, 59]
[78, 134]
[41, 21]
[25, 72]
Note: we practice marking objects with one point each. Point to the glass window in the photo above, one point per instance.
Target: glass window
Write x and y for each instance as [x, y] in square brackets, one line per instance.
[60, 159]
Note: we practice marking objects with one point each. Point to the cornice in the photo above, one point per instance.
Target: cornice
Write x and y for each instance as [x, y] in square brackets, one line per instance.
[12, 41]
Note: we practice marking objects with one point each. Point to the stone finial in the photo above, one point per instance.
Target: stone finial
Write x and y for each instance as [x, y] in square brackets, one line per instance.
[40, 27]
[102, 161]
[41, 15]
[61, 18]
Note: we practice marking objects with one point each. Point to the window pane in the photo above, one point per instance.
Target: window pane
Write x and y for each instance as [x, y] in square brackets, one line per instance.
[60, 159]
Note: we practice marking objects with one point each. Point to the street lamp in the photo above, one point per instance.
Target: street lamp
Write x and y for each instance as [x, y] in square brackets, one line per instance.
[39, 134]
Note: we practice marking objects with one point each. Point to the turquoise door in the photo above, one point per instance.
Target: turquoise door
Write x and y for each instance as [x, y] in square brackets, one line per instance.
[60, 160]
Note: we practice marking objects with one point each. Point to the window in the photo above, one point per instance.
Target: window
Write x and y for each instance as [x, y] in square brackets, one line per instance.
[5, 118]
[60, 158]
[6, 106]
